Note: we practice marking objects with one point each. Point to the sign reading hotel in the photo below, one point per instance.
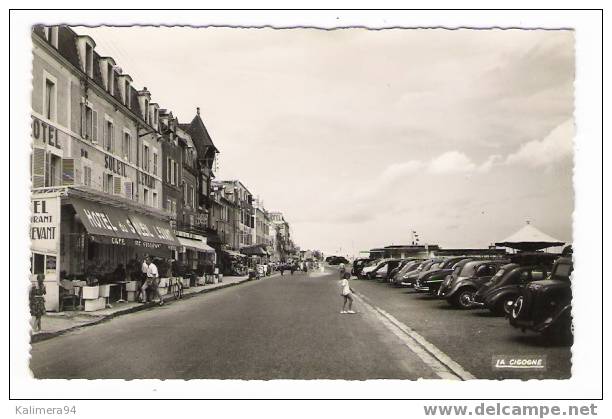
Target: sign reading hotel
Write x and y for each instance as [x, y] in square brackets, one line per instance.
[45, 224]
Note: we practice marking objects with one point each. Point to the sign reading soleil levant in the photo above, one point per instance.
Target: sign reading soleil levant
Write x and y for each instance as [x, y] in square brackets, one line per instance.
[44, 224]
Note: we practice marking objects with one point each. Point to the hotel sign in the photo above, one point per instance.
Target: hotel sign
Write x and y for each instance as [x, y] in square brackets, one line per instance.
[45, 224]
[45, 132]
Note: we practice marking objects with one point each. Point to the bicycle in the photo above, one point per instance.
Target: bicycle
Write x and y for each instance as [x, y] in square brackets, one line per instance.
[176, 287]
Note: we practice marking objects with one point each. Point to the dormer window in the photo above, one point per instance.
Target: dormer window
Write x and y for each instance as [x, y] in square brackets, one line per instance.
[146, 111]
[89, 60]
[51, 35]
[110, 83]
[128, 95]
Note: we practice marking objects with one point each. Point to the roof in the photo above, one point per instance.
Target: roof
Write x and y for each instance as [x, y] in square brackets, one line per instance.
[529, 238]
[199, 134]
[67, 48]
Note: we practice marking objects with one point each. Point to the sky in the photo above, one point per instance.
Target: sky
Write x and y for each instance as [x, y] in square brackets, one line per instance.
[361, 137]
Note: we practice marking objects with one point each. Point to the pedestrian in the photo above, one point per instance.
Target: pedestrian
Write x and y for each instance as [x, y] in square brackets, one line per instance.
[281, 268]
[347, 294]
[37, 301]
[153, 276]
[342, 270]
[144, 280]
[292, 267]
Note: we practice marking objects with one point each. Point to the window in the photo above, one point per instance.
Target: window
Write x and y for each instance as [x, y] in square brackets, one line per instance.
[192, 196]
[109, 135]
[86, 175]
[107, 185]
[110, 78]
[175, 174]
[146, 196]
[51, 35]
[89, 122]
[155, 163]
[145, 158]
[154, 200]
[89, 60]
[127, 146]
[49, 99]
[128, 95]
[169, 170]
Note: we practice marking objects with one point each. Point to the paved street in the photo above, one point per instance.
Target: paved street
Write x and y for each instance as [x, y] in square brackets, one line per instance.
[287, 327]
[283, 327]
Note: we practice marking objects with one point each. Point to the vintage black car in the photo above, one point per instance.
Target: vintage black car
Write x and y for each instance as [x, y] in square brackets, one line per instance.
[425, 266]
[431, 280]
[358, 265]
[505, 286]
[337, 260]
[383, 270]
[460, 287]
[546, 306]
[409, 266]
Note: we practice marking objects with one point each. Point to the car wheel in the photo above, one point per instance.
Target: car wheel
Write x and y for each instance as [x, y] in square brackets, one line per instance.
[503, 307]
[464, 298]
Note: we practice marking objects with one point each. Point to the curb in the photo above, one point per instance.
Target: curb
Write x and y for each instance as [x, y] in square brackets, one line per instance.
[39, 337]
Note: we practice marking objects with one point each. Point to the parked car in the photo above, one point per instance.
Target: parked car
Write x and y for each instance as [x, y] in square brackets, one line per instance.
[546, 306]
[369, 268]
[505, 286]
[337, 260]
[380, 265]
[431, 280]
[395, 270]
[425, 266]
[460, 287]
[382, 272]
[358, 265]
[409, 266]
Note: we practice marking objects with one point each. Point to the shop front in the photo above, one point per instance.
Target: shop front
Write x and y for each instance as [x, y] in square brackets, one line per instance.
[100, 247]
[196, 256]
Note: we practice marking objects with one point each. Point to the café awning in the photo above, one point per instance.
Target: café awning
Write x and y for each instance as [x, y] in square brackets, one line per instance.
[108, 224]
[118, 226]
[254, 251]
[195, 244]
[234, 254]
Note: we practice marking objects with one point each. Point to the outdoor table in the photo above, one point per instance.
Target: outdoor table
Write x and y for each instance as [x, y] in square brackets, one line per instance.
[122, 286]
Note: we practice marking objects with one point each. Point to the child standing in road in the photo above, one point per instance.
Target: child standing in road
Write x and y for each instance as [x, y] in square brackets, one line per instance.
[347, 294]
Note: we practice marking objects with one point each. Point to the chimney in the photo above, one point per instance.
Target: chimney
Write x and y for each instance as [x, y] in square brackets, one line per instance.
[198, 110]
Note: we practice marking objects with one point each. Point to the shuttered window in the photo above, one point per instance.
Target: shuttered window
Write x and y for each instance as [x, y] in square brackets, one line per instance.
[109, 135]
[89, 123]
[86, 175]
[39, 157]
[129, 190]
[117, 189]
[67, 172]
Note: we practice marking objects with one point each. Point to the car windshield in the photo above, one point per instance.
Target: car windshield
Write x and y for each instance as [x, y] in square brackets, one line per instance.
[495, 279]
[468, 269]
[563, 270]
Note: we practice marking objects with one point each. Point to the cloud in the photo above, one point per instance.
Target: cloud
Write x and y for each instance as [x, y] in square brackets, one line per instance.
[399, 170]
[556, 146]
[451, 162]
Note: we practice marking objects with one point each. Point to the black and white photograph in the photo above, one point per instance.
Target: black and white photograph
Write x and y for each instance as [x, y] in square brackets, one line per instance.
[349, 203]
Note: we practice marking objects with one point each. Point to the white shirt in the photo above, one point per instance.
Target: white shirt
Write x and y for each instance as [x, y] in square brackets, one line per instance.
[144, 268]
[152, 271]
[346, 288]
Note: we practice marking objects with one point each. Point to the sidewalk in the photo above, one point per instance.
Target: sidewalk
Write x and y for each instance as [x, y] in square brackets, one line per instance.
[55, 324]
